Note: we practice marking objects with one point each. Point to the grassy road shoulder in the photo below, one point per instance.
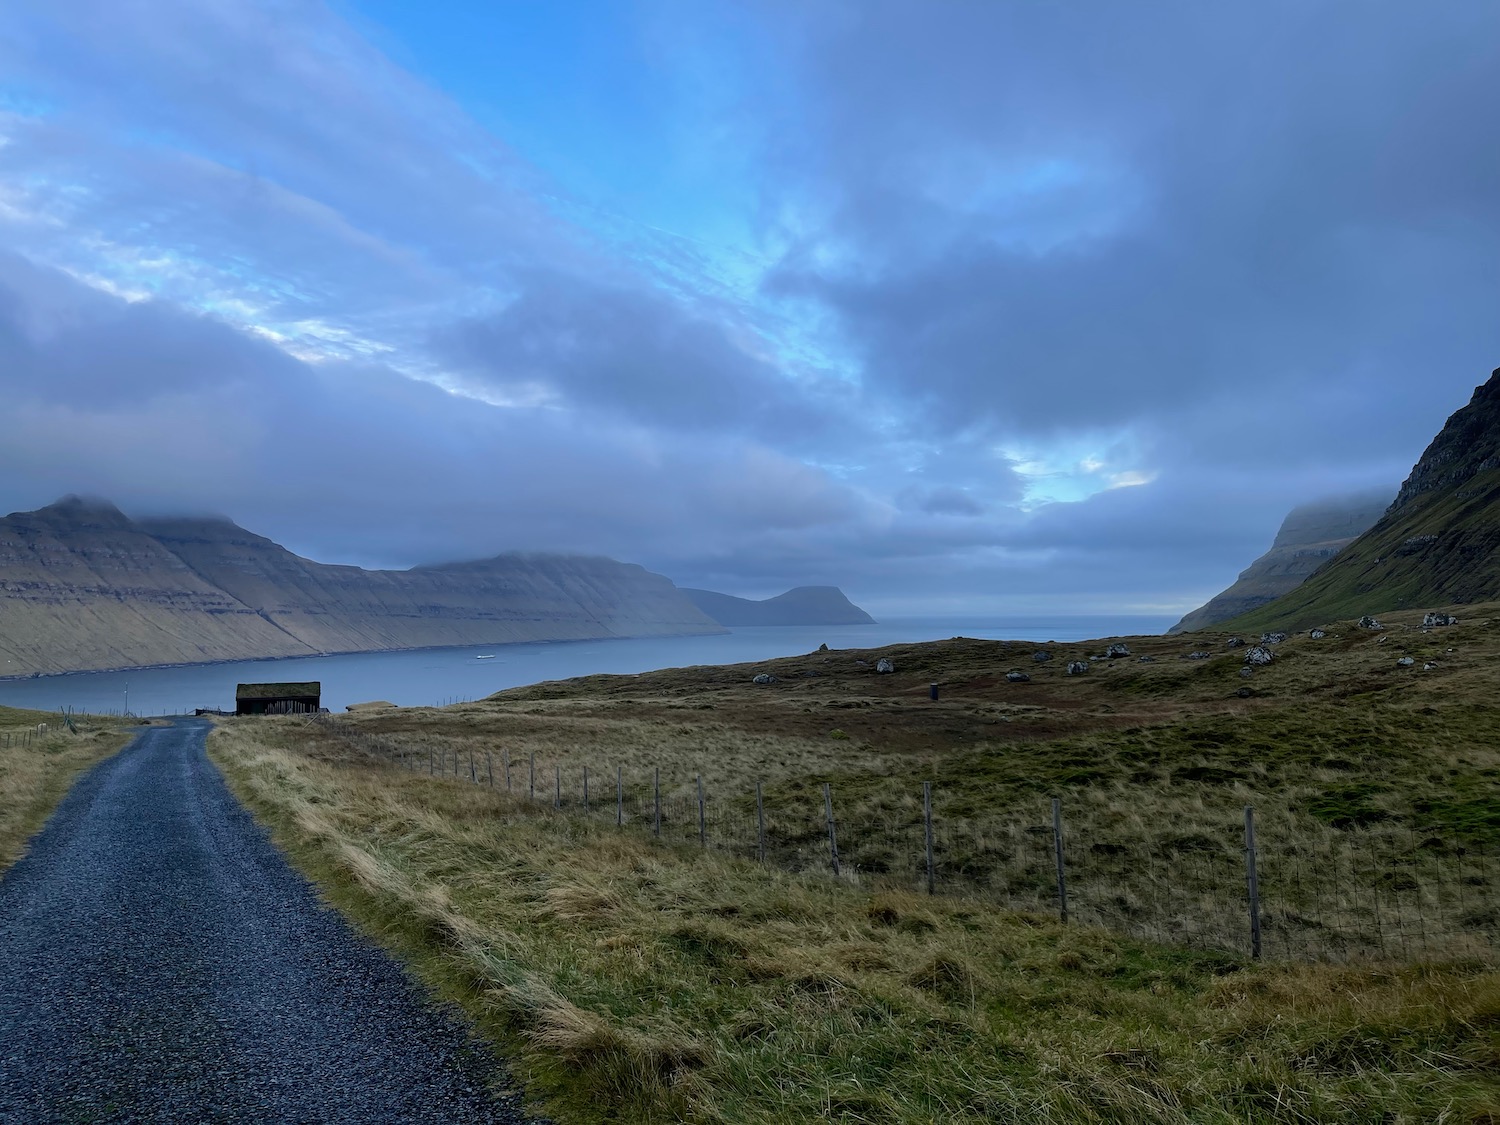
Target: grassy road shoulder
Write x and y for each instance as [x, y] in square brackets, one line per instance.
[634, 981]
[37, 772]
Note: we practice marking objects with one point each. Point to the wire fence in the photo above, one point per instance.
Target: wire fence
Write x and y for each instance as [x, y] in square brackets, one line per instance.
[1262, 884]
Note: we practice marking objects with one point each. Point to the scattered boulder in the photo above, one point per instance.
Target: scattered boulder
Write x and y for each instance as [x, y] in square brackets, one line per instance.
[1429, 666]
[1247, 671]
[883, 666]
[861, 663]
[1041, 656]
[823, 647]
[1317, 634]
[1244, 693]
[1236, 642]
[1117, 650]
[1077, 667]
[764, 678]
[1272, 638]
[1259, 656]
[1146, 660]
[1198, 656]
[1406, 662]
[1018, 677]
[1368, 622]
[1439, 619]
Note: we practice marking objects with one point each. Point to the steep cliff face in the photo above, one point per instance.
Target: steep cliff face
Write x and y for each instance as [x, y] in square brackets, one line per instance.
[1438, 543]
[801, 605]
[82, 586]
[1309, 536]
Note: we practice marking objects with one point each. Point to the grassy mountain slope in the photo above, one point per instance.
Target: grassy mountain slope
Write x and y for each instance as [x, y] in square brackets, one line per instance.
[1436, 545]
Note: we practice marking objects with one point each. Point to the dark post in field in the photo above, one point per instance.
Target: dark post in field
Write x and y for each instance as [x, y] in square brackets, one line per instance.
[557, 796]
[833, 839]
[1252, 882]
[702, 821]
[1057, 848]
[533, 775]
[656, 801]
[429, 761]
[619, 796]
[473, 773]
[760, 824]
[927, 834]
[505, 766]
[489, 768]
[585, 789]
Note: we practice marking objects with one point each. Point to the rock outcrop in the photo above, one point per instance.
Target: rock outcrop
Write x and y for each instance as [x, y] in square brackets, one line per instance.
[1309, 536]
[82, 586]
[801, 605]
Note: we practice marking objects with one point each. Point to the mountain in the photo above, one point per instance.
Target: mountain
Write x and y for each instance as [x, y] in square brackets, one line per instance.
[801, 605]
[1310, 535]
[83, 586]
[1437, 544]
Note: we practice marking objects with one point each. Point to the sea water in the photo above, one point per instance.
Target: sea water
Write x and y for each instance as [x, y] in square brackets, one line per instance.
[444, 675]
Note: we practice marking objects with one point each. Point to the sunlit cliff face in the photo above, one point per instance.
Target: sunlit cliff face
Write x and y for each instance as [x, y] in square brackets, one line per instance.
[988, 305]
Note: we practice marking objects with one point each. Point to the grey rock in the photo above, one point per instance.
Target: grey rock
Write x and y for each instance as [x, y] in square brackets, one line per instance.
[1259, 656]
[1317, 634]
[1198, 656]
[1117, 650]
[884, 666]
[1236, 642]
[1077, 667]
[1406, 662]
[1018, 677]
[1439, 619]
[1272, 638]
[823, 647]
[1247, 671]
[1146, 660]
[1368, 622]
[1429, 666]
[1244, 693]
[1041, 656]
[764, 678]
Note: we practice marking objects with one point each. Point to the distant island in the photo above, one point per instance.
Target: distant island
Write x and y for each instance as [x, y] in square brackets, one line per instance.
[801, 605]
[84, 587]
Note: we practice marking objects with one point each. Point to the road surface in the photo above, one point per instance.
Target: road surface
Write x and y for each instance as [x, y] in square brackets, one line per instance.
[160, 961]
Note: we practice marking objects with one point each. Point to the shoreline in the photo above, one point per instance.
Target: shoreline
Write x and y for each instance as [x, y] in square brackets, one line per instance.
[26, 677]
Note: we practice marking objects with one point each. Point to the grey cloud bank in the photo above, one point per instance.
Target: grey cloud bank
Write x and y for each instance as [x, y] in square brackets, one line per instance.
[1004, 257]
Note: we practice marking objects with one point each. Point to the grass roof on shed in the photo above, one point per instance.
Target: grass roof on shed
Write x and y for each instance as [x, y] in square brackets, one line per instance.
[268, 691]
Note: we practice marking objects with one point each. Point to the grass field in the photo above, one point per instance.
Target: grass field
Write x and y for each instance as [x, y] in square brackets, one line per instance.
[35, 772]
[644, 980]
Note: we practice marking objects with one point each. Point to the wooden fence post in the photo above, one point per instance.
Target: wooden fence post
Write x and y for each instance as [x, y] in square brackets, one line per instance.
[489, 768]
[1057, 847]
[1252, 882]
[702, 821]
[760, 824]
[429, 761]
[473, 773]
[505, 765]
[833, 839]
[927, 834]
[656, 801]
[533, 775]
[557, 799]
[585, 789]
[619, 796]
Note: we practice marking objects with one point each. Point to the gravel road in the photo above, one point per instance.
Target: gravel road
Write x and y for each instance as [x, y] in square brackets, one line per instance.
[159, 961]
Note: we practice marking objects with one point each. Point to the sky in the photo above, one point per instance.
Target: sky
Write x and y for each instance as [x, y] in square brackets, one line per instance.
[965, 307]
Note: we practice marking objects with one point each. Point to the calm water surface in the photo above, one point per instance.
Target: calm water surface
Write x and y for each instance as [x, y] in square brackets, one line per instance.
[444, 675]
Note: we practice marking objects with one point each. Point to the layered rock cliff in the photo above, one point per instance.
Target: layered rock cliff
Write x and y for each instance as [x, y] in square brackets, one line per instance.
[1309, 536]
[1438, 544]
[82, 586]
[801, 605]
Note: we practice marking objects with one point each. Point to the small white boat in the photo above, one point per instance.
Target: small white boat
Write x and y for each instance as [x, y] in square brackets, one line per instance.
[490, 657]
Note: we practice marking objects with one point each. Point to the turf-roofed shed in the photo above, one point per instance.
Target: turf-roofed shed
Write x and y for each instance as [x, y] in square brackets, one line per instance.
[278, 699]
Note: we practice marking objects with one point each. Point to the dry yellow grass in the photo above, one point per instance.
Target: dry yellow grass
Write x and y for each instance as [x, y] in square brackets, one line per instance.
[651, 982]
[35, 773]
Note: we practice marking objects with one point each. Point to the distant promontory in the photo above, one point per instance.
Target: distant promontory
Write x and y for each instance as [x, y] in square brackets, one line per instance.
[801, 605]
